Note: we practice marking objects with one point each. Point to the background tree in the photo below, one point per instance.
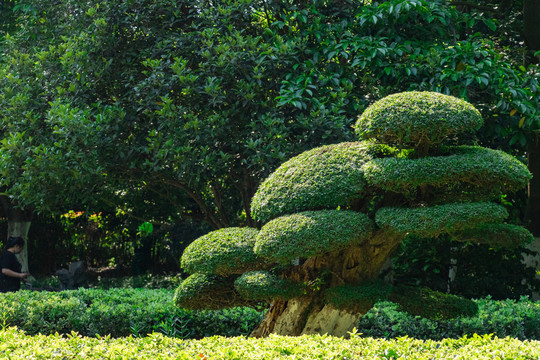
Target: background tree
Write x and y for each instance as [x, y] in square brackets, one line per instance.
[334, 214]
[168, 110]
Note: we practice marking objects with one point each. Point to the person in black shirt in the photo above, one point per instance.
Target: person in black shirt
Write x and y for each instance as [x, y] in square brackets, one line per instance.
[11, 275]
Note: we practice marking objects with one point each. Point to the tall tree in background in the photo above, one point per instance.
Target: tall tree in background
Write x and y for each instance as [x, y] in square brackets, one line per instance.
[176, 109]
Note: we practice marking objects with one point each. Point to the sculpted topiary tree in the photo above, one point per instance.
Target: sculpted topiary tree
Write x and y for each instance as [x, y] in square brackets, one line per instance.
[333, 215]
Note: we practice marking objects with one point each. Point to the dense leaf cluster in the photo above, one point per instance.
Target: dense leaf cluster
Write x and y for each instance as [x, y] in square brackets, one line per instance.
[414, 118]
[312, 233]
[322, 178]
[435, 220]
[263, 285]
[482, 170]
[223, 252]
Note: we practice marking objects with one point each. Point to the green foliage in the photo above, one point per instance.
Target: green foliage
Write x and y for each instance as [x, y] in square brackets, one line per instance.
[431, 304]
[223, 252]
[517, 319]
[436, 220]
[118, 313]
[264, 286]
[477, 270]
[357, 296]
[503, 235]
[412, 118]
[201, 291]
[421, 302]
[311, 233]
[322, 178]
[484, 170]
[18, 345]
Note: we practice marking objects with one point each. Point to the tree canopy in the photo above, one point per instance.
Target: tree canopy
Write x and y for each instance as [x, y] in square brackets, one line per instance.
[177, 109]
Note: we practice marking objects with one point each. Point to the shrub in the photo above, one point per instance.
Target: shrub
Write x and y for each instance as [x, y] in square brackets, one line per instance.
[262, 285]
[311, 233]
[223, 252]
[487, 171]
[410, 118]
[433, 221]
[119, 312]
[323, 178]
[203, 291]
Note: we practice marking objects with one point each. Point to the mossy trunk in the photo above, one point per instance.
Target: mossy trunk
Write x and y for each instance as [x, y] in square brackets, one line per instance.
[311, 314]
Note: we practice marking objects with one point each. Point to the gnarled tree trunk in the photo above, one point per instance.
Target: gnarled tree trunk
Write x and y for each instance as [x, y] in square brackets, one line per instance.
[310, 314]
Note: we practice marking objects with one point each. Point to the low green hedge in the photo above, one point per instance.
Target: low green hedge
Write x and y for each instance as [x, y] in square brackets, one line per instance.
[514, 318]
[118, 312]
[14, 344]
[138, 312]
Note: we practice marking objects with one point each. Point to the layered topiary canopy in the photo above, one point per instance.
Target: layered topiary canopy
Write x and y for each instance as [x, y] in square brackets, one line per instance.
[311, 233]
[322, 178]
[411, 118]
[331, 217]
[223, 252]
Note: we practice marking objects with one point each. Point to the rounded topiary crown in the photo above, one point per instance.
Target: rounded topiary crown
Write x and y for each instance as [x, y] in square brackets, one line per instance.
[411, 119]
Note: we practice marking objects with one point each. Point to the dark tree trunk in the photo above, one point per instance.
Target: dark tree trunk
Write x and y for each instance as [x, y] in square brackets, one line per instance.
[531, 25]
[533, 203]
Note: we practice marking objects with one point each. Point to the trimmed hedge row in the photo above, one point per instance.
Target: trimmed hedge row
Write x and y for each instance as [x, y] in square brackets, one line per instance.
[514, 318]
[410, 118]
[14, 344]
[118, 312]
[122, 312]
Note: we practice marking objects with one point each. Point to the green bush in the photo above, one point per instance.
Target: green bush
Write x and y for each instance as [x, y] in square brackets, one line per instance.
[119, 312]
[488, 171]
[322, 178]
[433, 221]
[311, 233]
[14, 344]
[223, 252]
[518, 319]
[411, 118]
[501, 235]
[203, 291]
[263, 285]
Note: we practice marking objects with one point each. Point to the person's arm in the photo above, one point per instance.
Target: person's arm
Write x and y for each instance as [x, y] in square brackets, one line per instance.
[11, 273]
